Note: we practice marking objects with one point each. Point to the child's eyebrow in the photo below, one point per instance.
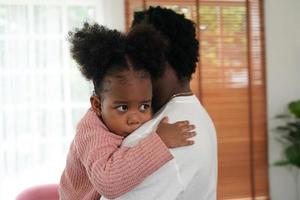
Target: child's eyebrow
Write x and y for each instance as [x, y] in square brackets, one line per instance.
[146, 101]
[126, 102]
[120, 102]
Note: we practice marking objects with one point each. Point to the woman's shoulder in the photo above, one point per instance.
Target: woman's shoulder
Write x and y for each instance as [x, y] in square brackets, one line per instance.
[183, 104]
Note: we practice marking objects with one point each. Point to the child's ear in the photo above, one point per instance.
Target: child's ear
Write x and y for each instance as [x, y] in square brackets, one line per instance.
[96, 104]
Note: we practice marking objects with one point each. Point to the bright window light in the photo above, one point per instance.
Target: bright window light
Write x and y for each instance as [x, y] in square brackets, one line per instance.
[42, 94]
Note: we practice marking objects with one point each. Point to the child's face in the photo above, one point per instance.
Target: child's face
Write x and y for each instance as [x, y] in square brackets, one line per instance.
[126, 103]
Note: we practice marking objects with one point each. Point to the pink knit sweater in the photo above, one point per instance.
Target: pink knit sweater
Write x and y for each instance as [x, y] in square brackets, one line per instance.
[97, 165]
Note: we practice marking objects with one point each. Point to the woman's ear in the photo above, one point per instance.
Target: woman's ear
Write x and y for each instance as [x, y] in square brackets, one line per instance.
[96, 104]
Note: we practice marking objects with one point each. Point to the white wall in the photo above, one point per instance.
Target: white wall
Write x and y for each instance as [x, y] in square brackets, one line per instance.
[283, 81]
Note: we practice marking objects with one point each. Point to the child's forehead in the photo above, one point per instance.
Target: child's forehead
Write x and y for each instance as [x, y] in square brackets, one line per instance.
[131, 85]
[133, 89]
[127, 77]
[130, 73]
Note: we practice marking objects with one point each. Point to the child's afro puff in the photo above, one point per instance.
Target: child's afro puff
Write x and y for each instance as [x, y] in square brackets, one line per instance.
[100, 51]
[96, 48]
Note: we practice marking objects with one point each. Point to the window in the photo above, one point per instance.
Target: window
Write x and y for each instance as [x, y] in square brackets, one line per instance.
[42, 94]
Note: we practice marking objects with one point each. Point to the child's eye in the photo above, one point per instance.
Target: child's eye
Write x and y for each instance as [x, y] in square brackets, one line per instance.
[144, 107]
[122, 108]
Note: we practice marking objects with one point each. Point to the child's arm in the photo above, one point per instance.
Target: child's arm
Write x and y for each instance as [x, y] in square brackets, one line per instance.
[115, 170]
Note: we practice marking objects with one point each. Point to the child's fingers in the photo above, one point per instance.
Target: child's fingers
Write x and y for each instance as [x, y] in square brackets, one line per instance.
[188, 128]
[188, 142]
[182, 143]
[189, 134]
[164, 120]
[182, 123]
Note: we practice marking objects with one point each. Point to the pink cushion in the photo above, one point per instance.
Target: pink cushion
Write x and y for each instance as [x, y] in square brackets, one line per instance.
[41, 192]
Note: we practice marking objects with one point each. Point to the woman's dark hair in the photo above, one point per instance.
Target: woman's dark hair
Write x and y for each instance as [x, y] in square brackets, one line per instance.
[182, 53]
[100, 51]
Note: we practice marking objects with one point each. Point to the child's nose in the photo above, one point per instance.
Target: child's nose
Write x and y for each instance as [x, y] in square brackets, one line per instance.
[133, 119]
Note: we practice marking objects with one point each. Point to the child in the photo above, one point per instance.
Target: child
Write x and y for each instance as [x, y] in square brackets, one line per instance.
[97, 164]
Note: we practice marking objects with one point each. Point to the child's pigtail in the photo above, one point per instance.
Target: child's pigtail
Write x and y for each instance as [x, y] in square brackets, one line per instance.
[95, 48]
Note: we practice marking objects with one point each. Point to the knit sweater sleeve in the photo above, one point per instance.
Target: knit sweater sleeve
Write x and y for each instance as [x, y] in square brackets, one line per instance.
[114, 170]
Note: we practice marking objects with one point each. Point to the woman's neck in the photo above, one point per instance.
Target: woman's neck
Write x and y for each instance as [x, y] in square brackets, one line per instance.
[167, 86]
[181, 88]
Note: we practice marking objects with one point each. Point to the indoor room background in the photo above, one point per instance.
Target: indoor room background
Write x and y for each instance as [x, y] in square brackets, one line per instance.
[248, 72]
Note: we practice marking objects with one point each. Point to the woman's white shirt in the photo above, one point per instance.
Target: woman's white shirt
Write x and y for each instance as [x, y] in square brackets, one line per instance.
[192, 174]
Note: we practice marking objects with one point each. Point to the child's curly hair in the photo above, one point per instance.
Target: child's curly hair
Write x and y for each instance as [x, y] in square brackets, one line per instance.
[183, 46]
[100, 51]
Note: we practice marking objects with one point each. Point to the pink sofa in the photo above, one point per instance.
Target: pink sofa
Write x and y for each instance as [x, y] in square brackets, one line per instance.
[40, 192]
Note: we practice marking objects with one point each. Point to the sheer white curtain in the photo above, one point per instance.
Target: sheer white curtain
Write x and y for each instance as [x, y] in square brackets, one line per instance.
[42, 94]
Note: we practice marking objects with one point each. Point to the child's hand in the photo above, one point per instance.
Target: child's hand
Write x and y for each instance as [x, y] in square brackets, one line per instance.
[177, 134]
